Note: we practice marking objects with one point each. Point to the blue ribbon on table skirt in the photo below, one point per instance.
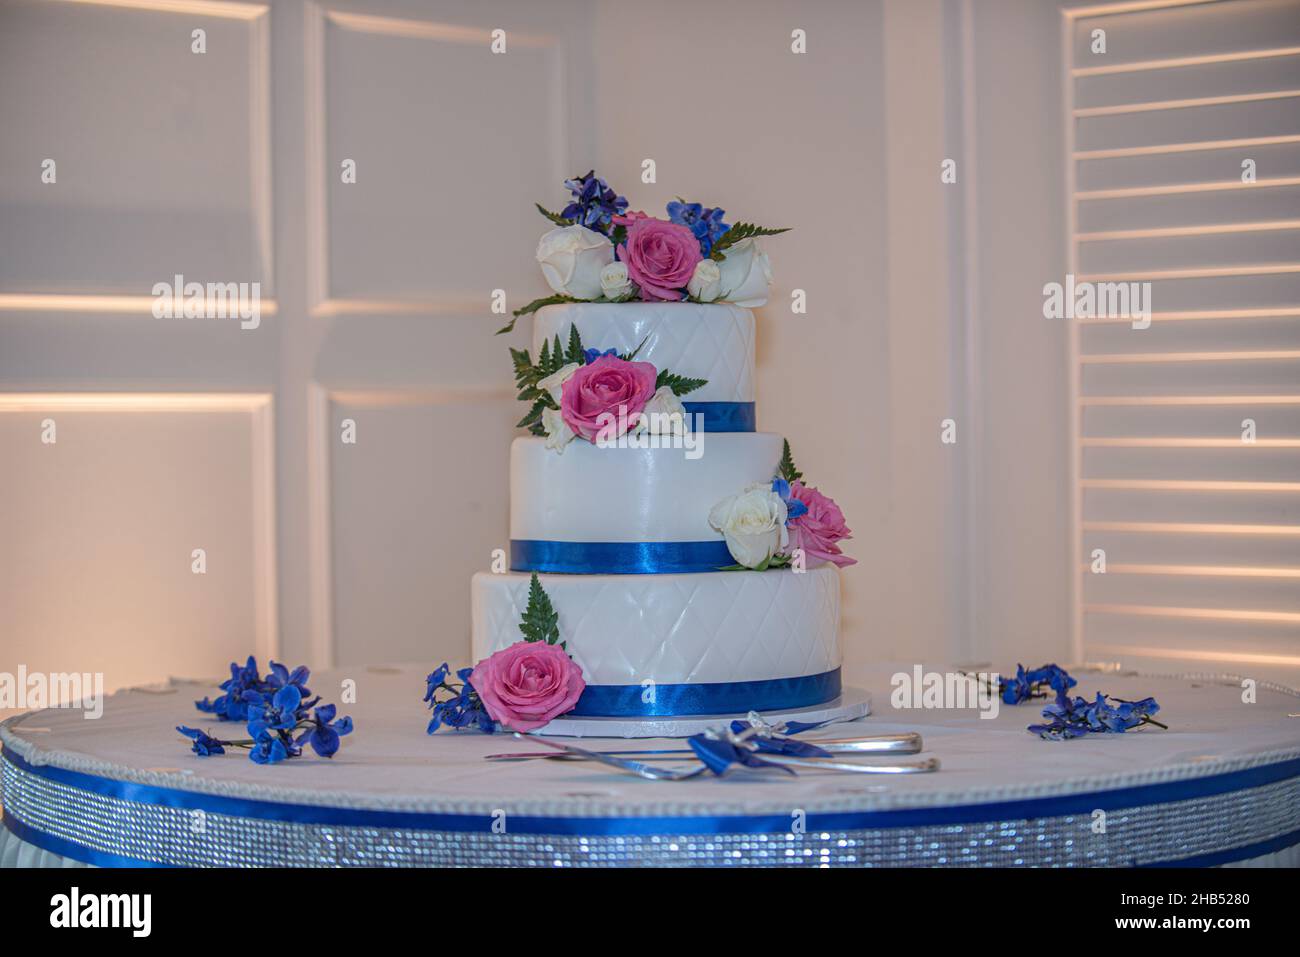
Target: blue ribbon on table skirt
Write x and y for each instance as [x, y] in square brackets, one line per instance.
[618, 558]
[722, 697]
[724, 416]
[925, 816]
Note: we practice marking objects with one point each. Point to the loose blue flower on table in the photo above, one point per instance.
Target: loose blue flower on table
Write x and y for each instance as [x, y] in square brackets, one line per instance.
[270, 748]
[275, 707]
[1074, 717]
[282, 712]
[204, 744]
[324, 731]
[230, 706]
[1030, 684]
[281, 677]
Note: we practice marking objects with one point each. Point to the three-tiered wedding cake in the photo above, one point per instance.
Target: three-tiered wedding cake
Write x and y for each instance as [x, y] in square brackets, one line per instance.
[684, 567]
[620, 537]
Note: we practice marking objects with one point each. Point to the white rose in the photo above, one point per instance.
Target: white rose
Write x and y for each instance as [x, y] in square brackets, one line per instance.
[558, 433]
[753, 524]
[572, 257]
[614, 282]
[554, 382]
[746, 274]
[664, 414]
[706, 283]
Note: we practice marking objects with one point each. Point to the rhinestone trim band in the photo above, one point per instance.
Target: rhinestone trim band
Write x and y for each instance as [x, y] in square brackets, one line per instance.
[101, 828]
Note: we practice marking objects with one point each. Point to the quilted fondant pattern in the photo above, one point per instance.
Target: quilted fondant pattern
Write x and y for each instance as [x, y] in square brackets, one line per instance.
[660, 495]
[719, 626]
[714, 342]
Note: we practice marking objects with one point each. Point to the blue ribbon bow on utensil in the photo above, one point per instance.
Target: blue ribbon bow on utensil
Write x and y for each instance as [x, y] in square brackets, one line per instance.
[721, 749]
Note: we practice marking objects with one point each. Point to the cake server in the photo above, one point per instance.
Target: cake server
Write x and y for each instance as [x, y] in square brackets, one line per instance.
[906, 743]
[623, 764]
[670, 774]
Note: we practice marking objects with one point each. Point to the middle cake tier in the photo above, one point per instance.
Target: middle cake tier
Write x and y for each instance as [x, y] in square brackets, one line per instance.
[592, 510]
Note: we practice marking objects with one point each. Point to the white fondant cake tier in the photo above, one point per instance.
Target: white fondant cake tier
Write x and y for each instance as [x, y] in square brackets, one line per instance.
[592, 494]
[699, 341]
[675, 629]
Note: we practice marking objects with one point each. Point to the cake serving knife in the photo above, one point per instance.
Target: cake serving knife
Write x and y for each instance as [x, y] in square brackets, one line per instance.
[906, 743]
[671, 774]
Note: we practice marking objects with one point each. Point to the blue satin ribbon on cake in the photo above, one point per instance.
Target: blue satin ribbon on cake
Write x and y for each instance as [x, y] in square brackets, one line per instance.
[724, 416]
[618, 558]
[723, 697]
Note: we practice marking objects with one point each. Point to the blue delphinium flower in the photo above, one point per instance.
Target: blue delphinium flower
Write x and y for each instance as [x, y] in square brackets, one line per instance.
[1056, 677]
[1073, 717]
[591, 355]
[275, 708]
[463, 708]
[1017, 689]
[793, 507]
[594, 204]
[1067, 718]
[1118, 718]
[204, 745]
[324, 732]
[435, 681]
[280, 712]
[281, 676]
[706, 225]
[230, 706]
[1029, 684]
[269, 748]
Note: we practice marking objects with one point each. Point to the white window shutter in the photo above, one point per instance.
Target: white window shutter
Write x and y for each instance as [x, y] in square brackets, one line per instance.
[1199, 525]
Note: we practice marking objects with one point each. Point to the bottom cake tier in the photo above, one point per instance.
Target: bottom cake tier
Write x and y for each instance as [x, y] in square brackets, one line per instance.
[664, 645]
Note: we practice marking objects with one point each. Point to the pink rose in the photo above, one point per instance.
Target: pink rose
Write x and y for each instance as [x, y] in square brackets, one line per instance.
[817, 530]
[660, 257]
[526, 685]
[609, 385]
[630, 217]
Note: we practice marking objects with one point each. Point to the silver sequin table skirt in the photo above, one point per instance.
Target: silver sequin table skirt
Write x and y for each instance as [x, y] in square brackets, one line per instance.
[1221, 787]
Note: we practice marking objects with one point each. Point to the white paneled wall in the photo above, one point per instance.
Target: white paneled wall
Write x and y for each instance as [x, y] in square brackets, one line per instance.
[924, 304]
[174, 434]
[138, 533]
[161, 156]
[1188, 439]
[417, 499]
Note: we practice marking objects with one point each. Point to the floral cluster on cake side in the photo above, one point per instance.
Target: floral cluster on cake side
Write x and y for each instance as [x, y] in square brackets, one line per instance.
[579, 393]
[781, 524]
[521, 687]
[600, 251]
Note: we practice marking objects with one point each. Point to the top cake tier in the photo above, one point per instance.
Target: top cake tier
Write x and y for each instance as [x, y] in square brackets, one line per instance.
[695, 340]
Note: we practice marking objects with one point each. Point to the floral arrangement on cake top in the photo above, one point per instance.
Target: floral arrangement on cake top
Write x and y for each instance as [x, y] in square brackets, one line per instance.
[780, 524]
[601, 252]
[576, 392]
[521, 687]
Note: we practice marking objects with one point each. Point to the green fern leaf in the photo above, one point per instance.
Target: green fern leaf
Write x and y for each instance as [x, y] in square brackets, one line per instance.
[575, 353]
[533, 306]
[739, 232]
[786, 468]
[556, 218]
[679, 384]
[541, 622]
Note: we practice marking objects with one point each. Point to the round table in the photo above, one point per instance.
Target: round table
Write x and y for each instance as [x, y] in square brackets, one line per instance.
[1221, 786]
